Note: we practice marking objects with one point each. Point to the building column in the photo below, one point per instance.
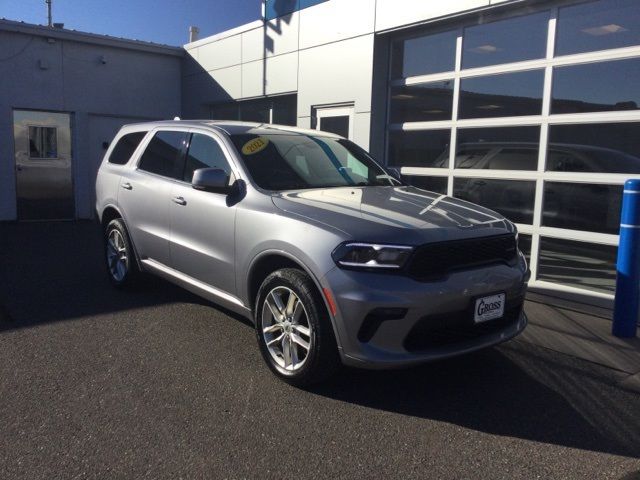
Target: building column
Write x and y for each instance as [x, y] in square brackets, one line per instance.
[81, 165]
[8, 207]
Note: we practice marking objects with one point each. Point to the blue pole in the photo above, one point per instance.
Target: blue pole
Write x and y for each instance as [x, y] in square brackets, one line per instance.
[627, 303]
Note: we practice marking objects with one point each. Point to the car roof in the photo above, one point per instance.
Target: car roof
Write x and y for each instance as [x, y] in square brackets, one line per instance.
[230, 127]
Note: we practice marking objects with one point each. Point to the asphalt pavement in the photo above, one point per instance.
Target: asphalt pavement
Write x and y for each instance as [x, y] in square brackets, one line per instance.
[157, 383]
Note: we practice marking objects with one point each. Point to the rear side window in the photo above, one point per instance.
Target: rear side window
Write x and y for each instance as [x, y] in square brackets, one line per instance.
[125, 147]
[163, 155]
[204, 152]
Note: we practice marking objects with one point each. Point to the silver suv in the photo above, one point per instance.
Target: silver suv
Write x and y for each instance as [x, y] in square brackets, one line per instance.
[329, 254]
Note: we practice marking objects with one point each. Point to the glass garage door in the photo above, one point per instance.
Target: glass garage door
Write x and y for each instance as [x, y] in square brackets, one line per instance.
[534, 115]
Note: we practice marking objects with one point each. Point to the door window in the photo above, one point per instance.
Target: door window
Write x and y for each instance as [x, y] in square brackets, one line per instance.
[338, 120]
[338, 125]
[204, 152]
[163, 155]
[43, 142]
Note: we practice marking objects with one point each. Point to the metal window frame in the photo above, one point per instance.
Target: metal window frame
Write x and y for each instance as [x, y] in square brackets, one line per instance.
[335, 110]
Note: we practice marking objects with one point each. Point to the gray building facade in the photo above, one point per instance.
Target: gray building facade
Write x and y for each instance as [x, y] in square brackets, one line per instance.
[63, 95]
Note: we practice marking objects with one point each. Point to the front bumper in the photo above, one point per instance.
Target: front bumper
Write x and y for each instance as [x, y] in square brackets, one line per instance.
[437, 320]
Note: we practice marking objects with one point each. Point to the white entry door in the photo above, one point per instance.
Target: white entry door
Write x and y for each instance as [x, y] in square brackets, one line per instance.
[338, 120]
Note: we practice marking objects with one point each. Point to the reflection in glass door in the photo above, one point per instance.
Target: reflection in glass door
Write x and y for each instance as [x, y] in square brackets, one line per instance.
[535, 114]
[43, 165]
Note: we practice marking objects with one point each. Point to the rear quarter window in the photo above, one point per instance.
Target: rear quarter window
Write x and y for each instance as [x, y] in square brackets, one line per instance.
[125, 147]
[163, 155]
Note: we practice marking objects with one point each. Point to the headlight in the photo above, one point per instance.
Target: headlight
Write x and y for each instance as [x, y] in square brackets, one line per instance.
[370, 255]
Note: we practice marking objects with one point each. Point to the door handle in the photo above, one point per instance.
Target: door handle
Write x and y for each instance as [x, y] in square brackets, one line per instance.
[19, 168]
[179, 200]
[127, 186]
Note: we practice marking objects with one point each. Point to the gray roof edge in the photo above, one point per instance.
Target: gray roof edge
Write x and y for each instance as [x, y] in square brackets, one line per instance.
[247, 27]
[85, 37]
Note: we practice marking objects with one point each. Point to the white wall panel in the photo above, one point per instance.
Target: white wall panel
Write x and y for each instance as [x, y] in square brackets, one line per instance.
[282, 35]
[336, 20]
[395, 13]
[200, 90]
[252, 45]
[336, 73]
[229, 80]
[252, 75]
[282, 73]
[220, 54]
[304, 122]
[362, 129]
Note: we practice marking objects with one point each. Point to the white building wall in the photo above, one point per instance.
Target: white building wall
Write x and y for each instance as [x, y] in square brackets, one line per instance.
[324, 53]
[253, 79]
[334, 21]
[338, 73]
[253, 44]
[282, 35]
[282, 74]
[396, 13]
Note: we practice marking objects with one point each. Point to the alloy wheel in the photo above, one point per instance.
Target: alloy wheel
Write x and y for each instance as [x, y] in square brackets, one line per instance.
[286, 329]
[117, 259]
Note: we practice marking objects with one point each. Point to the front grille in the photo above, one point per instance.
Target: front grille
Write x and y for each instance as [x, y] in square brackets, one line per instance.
[435, 331]
[436, 260]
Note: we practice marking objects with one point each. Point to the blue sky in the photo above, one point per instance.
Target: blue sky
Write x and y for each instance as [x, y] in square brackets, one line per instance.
[162, 21]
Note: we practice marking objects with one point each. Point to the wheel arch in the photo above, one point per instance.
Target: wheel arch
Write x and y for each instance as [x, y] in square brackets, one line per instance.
[270, 261]
[110, 213]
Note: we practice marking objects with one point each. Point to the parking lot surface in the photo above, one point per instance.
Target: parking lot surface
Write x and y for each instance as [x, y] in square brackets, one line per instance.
[157, 383]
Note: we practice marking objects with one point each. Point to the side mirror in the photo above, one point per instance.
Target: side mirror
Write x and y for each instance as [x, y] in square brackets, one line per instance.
[211, 180]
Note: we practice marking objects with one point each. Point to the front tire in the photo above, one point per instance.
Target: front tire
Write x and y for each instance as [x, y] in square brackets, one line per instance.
[122, 268]
[294, 329]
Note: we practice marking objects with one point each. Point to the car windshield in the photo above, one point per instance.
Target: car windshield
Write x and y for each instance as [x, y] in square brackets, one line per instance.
[287, 161]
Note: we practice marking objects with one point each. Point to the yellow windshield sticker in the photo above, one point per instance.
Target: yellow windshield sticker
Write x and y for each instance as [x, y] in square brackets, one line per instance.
[254, 146]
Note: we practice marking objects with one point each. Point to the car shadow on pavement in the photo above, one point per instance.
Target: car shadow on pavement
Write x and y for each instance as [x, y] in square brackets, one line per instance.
[516, 390]
[55, 271]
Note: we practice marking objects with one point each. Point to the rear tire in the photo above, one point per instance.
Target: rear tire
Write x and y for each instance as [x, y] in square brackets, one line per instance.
[294, 330]
[120, 257]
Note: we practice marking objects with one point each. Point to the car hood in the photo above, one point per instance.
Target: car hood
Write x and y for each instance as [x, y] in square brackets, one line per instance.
[403, 214]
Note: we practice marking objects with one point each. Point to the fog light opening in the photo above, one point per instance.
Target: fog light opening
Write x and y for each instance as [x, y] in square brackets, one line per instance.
[375, 318]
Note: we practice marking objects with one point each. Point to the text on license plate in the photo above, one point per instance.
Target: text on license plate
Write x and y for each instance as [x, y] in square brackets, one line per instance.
[489, 308]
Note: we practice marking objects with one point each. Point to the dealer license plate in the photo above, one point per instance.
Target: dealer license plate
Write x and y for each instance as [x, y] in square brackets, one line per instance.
[489, 308]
